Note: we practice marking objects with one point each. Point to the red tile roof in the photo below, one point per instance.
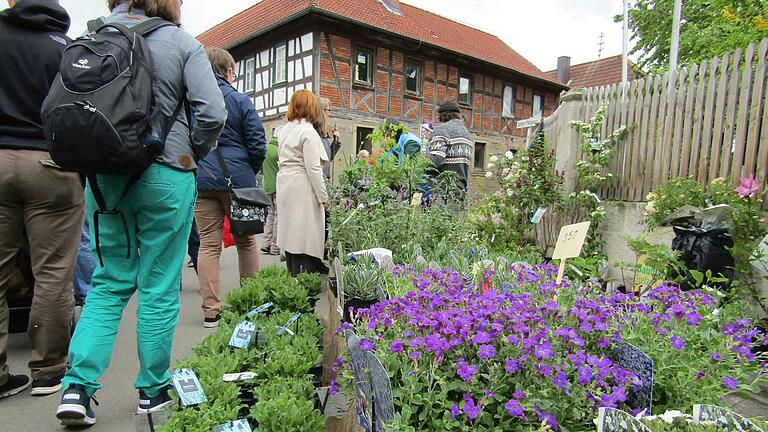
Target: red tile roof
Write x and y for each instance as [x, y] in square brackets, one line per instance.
[601, 72]
[413, 23]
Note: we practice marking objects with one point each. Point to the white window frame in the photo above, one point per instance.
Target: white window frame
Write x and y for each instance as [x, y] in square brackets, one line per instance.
[468, 92]
[280, 70]
[250, 74]
[541, 106]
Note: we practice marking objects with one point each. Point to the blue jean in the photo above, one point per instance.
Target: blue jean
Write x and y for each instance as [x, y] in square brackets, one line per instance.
[84, 267]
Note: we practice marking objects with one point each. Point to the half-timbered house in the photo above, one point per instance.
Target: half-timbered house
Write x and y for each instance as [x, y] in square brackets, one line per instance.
[380, 58]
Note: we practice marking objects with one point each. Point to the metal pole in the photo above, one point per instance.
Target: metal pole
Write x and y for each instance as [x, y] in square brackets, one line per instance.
[675, 35]
[625, 52]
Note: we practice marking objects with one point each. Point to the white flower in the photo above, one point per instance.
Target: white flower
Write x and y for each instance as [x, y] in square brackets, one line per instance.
[489, 174]
[494, 158]
[510, 192]
[490, 166]
[670, 416]
[509, 155]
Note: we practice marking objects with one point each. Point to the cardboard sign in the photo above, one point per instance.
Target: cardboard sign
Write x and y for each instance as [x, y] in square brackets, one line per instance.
[188, 387]
[235, 426]
[571, 240]
[259, 310]
[285, 329]
[235, 377]
[243, 335]
[615, 420]
[724, 418]
[634, 360]
[644, 275]
[528, 123]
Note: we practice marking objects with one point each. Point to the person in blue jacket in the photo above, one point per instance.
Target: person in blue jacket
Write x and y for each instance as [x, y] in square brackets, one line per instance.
[244, 147]
[406, 143]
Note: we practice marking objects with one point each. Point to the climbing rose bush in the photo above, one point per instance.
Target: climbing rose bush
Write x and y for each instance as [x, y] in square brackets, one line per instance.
[540, 353]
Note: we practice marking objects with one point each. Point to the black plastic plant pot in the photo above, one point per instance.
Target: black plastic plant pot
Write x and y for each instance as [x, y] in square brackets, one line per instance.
[355, 304]
[317, 374]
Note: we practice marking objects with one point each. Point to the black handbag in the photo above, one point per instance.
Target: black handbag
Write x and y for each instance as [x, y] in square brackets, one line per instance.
[247, 215]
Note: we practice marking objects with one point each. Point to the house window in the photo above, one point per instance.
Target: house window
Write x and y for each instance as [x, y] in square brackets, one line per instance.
[465, 90]
[508, 102]
[362, 67]
[281, 64]
[479, 163]
[412, 78]
[249, 72]
[363, 139]
[538, 106]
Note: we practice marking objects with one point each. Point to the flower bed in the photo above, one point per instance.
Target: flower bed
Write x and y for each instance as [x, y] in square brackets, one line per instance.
[281, 396]
[460, 359]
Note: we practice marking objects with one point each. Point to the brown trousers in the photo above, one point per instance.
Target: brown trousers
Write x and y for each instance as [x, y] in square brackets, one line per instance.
[210, 209]
[49, 204]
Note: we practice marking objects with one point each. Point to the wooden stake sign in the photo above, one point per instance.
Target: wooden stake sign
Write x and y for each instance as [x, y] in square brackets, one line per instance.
[569, 244]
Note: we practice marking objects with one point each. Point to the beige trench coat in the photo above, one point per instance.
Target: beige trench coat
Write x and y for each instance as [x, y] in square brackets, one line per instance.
[300, 190]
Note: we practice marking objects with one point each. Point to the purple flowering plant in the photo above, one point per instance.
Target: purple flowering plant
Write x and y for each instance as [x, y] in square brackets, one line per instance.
[541, 354]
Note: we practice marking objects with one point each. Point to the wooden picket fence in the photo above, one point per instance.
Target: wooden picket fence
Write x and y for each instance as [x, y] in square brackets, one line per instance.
[705, 121]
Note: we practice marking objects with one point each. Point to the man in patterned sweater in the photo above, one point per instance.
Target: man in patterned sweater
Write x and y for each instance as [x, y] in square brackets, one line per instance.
[452, 146]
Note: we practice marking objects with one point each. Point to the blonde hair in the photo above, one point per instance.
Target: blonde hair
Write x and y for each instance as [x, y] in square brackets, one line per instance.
[322, 125]
[169, 10]
[303, 106]
[221, 60]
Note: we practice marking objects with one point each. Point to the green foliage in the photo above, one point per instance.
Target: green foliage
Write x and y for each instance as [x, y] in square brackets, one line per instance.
[709, 28]
[282, 386]
[274, 284]
[527, 180]
[361, 280]
[669, 197]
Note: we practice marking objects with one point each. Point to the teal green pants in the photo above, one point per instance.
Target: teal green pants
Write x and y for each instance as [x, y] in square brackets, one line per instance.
[158, 211]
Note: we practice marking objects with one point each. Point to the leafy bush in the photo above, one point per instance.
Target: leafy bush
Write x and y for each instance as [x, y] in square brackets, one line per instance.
[274, 284]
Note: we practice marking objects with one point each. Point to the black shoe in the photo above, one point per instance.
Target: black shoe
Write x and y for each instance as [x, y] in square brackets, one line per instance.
[212, 322]
[157, 403]
[75, 407]
[265, 249]
[46, 387]
[15, 384]
[190, 264]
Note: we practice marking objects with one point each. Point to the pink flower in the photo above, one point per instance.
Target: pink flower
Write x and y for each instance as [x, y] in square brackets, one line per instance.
[747, 187]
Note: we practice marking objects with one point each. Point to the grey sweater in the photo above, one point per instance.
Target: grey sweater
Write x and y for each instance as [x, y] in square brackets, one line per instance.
[182, 69]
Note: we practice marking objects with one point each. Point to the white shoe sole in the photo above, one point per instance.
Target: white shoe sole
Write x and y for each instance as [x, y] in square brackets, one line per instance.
[15, 391]
[74, 415]
[45, 391]
[157, 408]
[211, 324]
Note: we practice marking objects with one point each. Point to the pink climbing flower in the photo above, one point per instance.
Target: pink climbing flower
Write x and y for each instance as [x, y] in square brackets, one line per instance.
[747, 187]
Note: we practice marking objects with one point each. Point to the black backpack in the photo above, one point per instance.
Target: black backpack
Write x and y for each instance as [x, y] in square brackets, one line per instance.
[100, 115]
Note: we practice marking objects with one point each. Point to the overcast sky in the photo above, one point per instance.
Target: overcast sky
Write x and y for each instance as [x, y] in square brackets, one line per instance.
[540, 30]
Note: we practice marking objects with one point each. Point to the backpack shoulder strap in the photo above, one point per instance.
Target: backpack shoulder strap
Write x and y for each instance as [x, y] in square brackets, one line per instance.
[148, 26]
[96, 24]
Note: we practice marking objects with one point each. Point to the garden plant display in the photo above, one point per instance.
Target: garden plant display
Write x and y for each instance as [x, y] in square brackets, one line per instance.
[281, 397]
[463, 360]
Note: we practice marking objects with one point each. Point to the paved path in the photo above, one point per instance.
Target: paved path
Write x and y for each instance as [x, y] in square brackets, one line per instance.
[117, 398]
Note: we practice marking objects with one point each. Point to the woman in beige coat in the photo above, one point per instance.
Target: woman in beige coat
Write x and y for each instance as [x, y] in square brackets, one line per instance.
[301, 194]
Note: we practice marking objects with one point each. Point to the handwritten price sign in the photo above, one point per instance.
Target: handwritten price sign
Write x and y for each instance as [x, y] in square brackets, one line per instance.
[569, 244]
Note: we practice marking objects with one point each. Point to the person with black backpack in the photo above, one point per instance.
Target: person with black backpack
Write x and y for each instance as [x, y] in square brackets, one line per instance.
[117, 113]
[34, 193]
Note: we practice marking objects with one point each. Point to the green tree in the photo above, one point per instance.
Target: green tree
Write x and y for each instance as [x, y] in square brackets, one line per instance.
[709, 28]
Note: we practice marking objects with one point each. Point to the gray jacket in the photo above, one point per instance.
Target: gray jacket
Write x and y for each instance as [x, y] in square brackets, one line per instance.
[182, 69]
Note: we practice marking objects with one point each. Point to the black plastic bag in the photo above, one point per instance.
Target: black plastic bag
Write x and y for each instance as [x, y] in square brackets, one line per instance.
[704, 250]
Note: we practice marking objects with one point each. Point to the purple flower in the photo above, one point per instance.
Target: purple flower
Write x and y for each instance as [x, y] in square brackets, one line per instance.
[546, 417]
[700, 375]
[415, 355]
[515, 409]
[677, 343]
[543, 351]
[334, 388]
[693, 318]
[730, 383]
[470, 408]
[715, 356]
[585, 374]
[481, 338]
[560, 380]
[486, 351]
[511, 366]
[366, 345]
[455, 412]
[465, 371]
[519, 394]
[397, 346]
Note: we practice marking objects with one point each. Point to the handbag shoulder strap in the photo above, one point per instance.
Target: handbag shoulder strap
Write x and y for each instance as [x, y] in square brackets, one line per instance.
[227, 175]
